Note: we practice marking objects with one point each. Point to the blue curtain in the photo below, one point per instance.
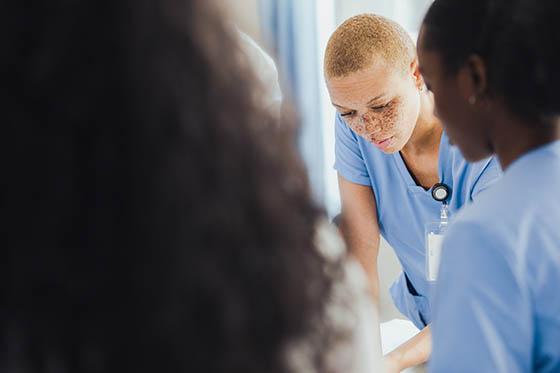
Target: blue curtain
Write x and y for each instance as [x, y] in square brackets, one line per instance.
[289, 27]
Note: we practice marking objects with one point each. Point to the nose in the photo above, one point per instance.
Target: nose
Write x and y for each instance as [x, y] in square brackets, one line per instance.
[368, 124]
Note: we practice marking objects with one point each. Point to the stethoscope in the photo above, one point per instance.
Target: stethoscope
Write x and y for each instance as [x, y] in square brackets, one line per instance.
[441, 192]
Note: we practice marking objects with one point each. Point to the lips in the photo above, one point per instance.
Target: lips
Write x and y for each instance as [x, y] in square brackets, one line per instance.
[383, 142]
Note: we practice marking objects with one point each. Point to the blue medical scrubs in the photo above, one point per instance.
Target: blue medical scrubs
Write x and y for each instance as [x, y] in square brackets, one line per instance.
[497, 304]
[403, 207]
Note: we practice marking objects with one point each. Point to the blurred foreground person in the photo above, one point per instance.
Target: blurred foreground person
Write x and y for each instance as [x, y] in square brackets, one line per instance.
[153, 220]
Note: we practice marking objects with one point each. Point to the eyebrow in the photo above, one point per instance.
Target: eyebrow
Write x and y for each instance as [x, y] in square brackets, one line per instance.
[340, 107]
[375, 99]
[368, 103]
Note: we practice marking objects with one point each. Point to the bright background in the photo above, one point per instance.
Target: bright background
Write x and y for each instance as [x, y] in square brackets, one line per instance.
[295, 33]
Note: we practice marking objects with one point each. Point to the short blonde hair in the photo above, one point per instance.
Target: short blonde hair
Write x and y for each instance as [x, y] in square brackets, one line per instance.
[359, 40]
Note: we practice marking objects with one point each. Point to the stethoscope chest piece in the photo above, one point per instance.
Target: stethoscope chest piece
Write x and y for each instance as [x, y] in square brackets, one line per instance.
[440, 192]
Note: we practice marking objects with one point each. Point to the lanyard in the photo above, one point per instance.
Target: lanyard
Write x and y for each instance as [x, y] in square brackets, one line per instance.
[441, 192]
[434, 232]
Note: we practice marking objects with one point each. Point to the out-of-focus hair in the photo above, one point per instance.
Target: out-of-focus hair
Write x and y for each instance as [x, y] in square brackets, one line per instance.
[154, 219]
[517, 41]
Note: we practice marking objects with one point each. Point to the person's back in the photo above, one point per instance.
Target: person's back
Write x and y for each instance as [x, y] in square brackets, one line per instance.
[496, 308]
[153, 221]
[520, 217]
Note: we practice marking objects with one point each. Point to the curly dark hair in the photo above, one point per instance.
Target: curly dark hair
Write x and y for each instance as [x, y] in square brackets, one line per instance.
[518, 40]
[155, 218]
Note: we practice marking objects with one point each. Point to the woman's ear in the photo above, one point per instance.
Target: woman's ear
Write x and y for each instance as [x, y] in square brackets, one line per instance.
[414, 69]
[473, 79]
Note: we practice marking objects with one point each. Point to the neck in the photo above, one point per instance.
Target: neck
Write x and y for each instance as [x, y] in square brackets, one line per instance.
[427, 132]
[512, 137]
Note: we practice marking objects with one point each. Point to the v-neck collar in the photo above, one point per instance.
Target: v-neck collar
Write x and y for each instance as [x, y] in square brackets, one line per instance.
[407, 177]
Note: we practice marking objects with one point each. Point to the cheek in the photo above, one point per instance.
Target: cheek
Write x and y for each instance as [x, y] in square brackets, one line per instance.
[405, 115]
[392, 116]
[460, 125]
[447, 110]
[390, 120]
[377, 123]
[412, 110]
[394, 119]
[371, 123]
[357, 126]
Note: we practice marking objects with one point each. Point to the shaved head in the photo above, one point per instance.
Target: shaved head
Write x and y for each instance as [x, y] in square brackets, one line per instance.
[362, 39]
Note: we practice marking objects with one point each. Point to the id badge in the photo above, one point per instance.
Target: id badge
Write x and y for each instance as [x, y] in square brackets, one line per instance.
[434, 239]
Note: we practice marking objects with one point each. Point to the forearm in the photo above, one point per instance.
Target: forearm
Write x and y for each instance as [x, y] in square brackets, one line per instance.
[364, 247]
[366, 255]
[373, 279]
[413, 352]
[360, 228]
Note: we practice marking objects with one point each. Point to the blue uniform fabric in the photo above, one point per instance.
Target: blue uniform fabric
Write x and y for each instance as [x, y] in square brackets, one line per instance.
[497, 304]
[403, 208]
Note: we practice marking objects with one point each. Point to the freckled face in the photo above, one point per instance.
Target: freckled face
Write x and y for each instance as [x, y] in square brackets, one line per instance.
[380, 104]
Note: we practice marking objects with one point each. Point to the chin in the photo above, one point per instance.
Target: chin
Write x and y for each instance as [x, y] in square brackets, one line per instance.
[473, 155]
[392, 150]
[395, 148]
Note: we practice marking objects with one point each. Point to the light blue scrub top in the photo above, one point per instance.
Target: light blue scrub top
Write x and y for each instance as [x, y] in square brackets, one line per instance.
[403, 208]
[497, 304]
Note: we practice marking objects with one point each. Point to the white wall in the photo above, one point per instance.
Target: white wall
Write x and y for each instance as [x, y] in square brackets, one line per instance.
[408, 13]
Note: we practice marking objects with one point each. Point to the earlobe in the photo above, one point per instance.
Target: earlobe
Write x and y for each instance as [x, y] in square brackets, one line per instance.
[477, 69]
[472, 80]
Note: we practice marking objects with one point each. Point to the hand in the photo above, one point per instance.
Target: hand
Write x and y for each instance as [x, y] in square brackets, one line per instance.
[391, 364]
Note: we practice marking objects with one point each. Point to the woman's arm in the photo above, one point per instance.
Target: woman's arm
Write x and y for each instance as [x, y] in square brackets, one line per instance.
[360, 228]
[413, 352]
